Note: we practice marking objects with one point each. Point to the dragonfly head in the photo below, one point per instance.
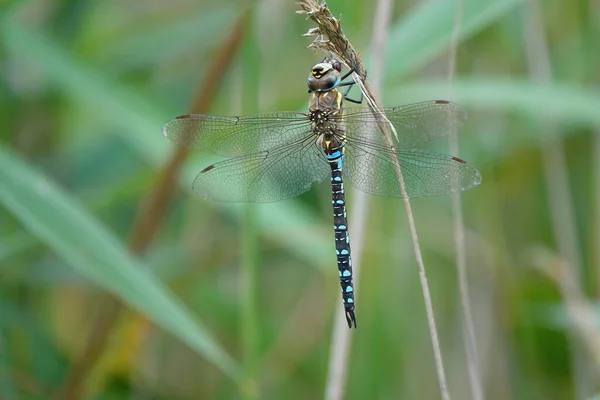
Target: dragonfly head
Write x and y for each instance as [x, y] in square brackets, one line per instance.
[324, 76]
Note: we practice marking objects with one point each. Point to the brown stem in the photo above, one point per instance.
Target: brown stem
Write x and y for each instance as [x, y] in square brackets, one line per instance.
[149, 216]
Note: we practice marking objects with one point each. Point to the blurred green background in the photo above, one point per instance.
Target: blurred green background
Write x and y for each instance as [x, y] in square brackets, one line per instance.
[85, 87]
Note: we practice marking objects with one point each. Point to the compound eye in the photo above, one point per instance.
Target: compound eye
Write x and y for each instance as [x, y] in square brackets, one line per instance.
[329, 82]
[337, 66]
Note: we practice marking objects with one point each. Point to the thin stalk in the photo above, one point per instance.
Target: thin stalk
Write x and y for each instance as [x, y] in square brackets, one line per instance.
[433, 333]
[556, 178]
[555, 169]
[596, 211]
[459, 237]
[593, 14]
[250, 240]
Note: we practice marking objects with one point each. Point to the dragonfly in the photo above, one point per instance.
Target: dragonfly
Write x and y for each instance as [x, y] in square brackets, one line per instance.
[277, 155]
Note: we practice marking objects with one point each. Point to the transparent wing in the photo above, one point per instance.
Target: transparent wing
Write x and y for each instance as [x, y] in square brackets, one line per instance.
[415, 123]
[371, 169]
[236, 136]
[265, 176]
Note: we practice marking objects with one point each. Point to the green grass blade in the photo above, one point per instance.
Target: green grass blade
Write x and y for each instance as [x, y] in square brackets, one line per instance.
[58, 220]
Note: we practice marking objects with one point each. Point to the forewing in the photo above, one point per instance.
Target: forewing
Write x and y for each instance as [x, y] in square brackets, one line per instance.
[265, 176]
[236, 136]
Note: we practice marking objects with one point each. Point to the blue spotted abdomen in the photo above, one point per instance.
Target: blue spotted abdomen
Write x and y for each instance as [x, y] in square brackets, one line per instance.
[340, 227]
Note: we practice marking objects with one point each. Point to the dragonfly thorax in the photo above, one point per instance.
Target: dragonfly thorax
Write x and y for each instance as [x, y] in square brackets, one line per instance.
[327, 102]
[323, 122]
[325, 112]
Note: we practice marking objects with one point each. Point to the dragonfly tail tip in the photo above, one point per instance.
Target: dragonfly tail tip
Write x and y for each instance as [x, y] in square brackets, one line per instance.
[351, 319]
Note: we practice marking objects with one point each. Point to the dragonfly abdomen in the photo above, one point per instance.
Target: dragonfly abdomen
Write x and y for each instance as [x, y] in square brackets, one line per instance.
[340, 227]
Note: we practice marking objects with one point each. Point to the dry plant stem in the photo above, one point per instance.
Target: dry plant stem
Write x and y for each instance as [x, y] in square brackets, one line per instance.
[330, 38]
[554, 163]
[596, 212]
[149, 217]
[556, 177]
[459, 238]
[439, 364]
[594, 14]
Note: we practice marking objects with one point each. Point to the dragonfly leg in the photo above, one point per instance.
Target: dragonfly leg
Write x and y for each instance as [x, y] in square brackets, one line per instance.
[347, 74]
[359, 101]
[345, 92]
[352, 83]
[349, 87]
